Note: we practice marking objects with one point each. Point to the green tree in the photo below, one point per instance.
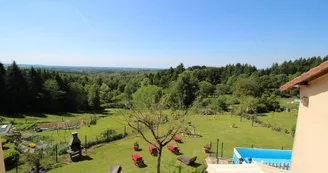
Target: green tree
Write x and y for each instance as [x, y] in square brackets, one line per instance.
[246, 87]
[219, 105]
[93, 97]
[205, 89]
[2, 86]
[35, 85]
[78, 97]
[16, 89]
[152, 119]
[146, 96]
[185, 89]
[52, 95]
[104, 93]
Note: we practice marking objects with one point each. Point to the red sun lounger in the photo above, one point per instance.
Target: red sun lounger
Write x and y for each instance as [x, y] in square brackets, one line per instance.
[152, 150]
[173, 149]
[177, 139]
[137, 159]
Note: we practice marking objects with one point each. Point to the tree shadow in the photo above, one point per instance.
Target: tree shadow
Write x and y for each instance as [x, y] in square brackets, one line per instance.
[262, 115]
[13, 115]
[82, 158]
[138, 150]
[36, 114]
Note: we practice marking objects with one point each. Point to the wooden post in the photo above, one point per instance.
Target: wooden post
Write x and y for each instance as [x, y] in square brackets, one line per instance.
[282, 147]
[252, 121]
[124, 130]
[217, 151]
[252, 146]
[210, 146]
[222, 149]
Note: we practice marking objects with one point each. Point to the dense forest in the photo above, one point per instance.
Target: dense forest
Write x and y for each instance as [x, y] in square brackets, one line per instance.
[199, 87]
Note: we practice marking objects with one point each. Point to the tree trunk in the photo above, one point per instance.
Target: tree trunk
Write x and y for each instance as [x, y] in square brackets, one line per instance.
[159, 159]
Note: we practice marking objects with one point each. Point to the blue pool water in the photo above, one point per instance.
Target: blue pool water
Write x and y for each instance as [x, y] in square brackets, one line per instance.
[259, 155]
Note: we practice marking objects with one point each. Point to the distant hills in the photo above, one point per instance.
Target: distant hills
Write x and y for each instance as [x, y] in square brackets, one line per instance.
[85, 69]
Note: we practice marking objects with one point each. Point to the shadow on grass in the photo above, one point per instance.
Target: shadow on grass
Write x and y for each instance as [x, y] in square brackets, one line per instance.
[142, 165]
[196, 165]
[82, 158]
[13, 115]
[138, 150]
[262, 115]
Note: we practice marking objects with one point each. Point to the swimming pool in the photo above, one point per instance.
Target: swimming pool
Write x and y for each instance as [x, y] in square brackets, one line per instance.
[262, 155]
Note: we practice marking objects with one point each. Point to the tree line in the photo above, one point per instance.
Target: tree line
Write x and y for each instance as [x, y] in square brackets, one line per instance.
[200, 87]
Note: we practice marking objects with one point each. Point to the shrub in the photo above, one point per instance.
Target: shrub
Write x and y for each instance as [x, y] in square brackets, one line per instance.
[93, 120]
[25, 127]
[11, 158]
[12, 122]
[108, 132]
[3, 141]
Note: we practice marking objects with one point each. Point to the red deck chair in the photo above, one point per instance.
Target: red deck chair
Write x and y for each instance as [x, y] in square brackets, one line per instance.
[152, 150]
[173, 149]
[137, 159]
[177, 139]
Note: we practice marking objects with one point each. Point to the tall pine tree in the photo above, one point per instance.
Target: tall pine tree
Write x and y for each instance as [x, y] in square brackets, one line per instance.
[2, 86]
[16, 89]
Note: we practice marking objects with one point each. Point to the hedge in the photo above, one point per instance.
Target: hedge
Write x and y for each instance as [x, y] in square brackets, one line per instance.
[110, 138]
[10, 158]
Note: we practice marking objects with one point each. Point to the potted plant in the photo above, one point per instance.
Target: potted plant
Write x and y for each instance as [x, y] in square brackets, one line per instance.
[207, 148]
[136, 146]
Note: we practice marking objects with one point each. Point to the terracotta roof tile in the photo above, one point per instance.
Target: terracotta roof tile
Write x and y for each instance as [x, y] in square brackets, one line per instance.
[312, 74]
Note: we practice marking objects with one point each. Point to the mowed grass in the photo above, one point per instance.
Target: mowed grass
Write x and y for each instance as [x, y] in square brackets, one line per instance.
[280, 119]
[114, 121]
[211, 128]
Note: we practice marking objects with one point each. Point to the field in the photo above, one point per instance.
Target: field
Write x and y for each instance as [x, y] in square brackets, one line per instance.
[211, 128]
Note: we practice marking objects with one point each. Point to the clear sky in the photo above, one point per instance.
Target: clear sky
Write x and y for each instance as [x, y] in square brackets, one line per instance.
[161, 33]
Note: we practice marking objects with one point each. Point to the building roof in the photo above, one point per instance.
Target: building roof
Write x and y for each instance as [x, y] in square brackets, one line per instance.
[312, 74]
[243, 168]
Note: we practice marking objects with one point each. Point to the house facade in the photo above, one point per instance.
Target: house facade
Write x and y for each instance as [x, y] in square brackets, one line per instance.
[310, 148]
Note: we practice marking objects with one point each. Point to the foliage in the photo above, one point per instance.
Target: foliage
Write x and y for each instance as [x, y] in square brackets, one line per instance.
[151, 119]
[103, 140]
[93, 120]
[37, 159]
[11, 158]
[27, 126]
[3, 141]
[108, 132]
[146, 96]
[205, 89]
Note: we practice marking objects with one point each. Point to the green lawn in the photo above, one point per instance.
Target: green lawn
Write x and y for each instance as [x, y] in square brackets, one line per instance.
[113, 121]
[280, 119]
[119, 152]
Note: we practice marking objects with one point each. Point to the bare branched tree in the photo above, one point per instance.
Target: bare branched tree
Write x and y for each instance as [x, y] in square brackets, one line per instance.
[153, 119]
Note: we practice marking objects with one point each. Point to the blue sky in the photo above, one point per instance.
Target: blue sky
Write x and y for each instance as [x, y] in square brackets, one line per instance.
[161, 33]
